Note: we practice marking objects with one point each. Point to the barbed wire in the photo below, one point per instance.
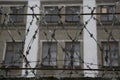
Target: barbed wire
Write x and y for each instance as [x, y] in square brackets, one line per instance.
[53, 35]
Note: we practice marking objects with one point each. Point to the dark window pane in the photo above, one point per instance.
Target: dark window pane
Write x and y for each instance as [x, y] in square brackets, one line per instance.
[104, 17]
[8, 58]
[12, 56]
[72, 54]
[72, 10]
[51, 18]
[49, 53]
[107, 9]
[17, 10]
[110, 53]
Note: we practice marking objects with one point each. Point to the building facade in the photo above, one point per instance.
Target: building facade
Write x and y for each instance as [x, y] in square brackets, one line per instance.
[46, 39]
[12, 34]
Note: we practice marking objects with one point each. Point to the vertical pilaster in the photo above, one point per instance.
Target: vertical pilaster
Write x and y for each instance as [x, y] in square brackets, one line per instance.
[90, 45]
[32, 56]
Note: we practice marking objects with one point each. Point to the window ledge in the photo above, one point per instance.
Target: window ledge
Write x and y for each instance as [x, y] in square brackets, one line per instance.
[12, 66]
[111, 67]
[70, 67]
[10, 26]
[47, 66]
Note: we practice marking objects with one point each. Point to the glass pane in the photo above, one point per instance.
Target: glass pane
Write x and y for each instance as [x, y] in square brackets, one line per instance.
[17, 10]
[12, 56]
[114, 54]
[111, 17]
[20, 9]
[104, 10]
[53, 53]
[51, 10]
[104, 17]
[19, 18]
[77, 54]
[13, 11]
[53, 61]
[49, 54]
[111, 9]
[16, 58]
[8, 58]
[76, 58]
[106, 54]
[69, 18]
[47, 18]
[54, 18]
[18, 48]
[72, 10]
[67, 58]
[106, 57]
[107, 9]
[75, 18]
[45, 53]
[13, 18]
[72, 51]
[10, 47]
[110, 54]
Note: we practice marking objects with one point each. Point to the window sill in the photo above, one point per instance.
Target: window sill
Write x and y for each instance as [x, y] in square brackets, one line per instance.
[111, 67]
[70, 67]
[10, 26]
[12, 66]
[72, 21]
[109, 23]
[48, 67]
[62, 25]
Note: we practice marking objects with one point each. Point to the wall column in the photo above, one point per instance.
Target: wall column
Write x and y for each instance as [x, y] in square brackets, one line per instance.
[32, 56]
[90, 45]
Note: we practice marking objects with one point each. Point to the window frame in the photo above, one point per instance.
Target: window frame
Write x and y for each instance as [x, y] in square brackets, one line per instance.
[105, 15]
[49, 14]
[65, 59]
[73, 14]
[13, 53]
[113, 43]
[7, 9]
[16, 17]
[50, 62]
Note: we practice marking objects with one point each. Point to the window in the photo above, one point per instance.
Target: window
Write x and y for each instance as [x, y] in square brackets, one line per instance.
[17, 10]
[13, 51]
[71, 11]
[110, 54]
[51, 18]
[107, 9]
[72, 54]
[49, 54]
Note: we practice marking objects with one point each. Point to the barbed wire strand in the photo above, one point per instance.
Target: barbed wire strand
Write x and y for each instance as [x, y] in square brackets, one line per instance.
[53, 34]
